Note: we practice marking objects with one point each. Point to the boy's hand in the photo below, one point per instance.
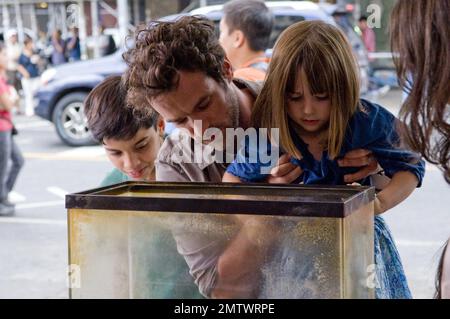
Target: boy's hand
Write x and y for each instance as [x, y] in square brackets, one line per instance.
[359, 158]
[284, 172]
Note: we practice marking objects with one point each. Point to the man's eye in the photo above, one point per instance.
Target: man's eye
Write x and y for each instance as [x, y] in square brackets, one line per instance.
[204, 105]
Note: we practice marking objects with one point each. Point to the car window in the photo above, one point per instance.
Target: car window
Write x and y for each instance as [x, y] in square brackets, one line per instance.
[281, 22]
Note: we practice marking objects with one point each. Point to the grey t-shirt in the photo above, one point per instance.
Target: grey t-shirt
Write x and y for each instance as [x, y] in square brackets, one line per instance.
[200, 241]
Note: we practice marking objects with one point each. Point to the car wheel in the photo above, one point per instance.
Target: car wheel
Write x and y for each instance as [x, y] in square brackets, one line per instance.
[70, 121]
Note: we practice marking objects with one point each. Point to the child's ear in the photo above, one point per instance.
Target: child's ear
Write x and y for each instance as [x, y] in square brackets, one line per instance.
[161, 126]
[239, 39]
[227, 69]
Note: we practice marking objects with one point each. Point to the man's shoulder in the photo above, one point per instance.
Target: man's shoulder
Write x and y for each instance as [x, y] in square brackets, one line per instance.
[254, 87]
[174, 144]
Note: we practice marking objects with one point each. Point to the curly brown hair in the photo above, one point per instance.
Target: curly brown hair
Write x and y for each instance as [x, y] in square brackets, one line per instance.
[162, 49]
[419, 35]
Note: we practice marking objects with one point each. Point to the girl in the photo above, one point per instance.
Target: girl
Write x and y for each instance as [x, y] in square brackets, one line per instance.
[311, 94]
[8, 148]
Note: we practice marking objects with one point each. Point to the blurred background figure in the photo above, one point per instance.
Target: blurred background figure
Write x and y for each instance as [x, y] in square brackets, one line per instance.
[367, 34]
[29, 72]
[107, 44]
[8, 148]
[13, 52]
[73, 46]
[245, 34]
[59, 48]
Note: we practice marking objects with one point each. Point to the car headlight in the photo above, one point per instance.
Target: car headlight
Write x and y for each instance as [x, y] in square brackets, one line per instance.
[47, 76]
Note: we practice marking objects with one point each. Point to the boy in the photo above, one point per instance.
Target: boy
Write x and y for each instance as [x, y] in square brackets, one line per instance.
[132, 141]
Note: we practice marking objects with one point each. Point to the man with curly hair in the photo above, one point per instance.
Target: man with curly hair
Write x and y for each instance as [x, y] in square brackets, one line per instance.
[179, 69]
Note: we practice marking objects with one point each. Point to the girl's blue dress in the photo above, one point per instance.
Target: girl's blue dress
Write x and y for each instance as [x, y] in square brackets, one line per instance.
[372, 128]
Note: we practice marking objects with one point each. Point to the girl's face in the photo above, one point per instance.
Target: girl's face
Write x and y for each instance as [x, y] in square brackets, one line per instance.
[135, 157]
[310, 112]
[3, 59]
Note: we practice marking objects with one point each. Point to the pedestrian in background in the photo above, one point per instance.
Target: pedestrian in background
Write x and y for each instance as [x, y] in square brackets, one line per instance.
[29, 71]
[73, 46]
[8, 148]
[367, 35]
[13, 51]
[245, 31]
[59, 48]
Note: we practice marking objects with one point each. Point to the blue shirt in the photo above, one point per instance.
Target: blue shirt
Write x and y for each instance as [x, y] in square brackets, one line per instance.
[371, 127]
[75, 52]
[32, 68]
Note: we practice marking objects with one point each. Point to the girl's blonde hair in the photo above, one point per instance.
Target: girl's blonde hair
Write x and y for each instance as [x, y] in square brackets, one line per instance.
[324, 54]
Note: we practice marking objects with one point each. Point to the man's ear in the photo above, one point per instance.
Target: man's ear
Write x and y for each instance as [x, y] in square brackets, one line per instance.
[227, 69]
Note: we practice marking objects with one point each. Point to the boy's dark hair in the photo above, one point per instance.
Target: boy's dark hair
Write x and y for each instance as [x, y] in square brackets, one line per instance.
[108, 114]
[164, 48]
[253, 18]
[362, 18]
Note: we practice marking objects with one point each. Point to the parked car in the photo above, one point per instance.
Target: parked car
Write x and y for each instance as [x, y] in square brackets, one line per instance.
[65, 87]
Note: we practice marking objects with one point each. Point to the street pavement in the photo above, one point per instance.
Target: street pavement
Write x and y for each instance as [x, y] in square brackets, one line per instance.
[33, 243]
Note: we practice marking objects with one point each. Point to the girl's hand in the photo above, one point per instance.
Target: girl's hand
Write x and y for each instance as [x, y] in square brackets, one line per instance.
[379, 207]
[229, 178]
[284, 172]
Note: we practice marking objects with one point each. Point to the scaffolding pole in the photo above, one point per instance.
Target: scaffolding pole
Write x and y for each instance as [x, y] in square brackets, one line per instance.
[82, 29]
[33, 20]
[122, 8]
[6, 21]
[19, 22]
[94, 25]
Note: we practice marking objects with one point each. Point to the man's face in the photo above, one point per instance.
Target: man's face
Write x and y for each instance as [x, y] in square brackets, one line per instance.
[199, 97]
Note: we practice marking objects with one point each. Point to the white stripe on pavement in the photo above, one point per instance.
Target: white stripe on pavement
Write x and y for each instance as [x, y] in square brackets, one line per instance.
[18, 220]
[40, 204]
[419, 243]
[57, 191]
[93, 151]
[15, 197]
[33, 124]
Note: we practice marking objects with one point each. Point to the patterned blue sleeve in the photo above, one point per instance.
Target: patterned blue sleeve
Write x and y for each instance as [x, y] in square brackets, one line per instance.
[253, 161]
[380, 129]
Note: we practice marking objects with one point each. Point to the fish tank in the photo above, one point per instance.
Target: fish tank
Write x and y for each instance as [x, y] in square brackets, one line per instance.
[127, 240]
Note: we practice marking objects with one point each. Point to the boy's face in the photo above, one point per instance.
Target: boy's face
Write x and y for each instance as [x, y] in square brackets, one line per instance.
[135, 157]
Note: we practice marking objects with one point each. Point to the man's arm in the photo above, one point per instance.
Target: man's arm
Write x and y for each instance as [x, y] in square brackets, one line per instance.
[238, 267]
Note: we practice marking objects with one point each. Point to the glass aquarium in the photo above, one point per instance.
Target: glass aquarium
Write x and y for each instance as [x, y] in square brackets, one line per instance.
[167, 240]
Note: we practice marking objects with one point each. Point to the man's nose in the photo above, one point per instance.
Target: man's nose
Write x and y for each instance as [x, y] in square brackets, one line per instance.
[197, 126]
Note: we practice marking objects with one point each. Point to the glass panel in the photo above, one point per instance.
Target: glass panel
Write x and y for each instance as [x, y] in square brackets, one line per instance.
[134, 255]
